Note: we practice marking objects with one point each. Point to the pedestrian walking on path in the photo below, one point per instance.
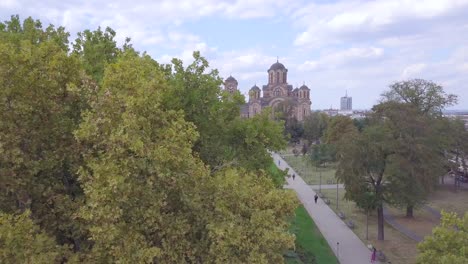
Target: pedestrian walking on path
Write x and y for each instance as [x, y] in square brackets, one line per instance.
[351, 250]
[315, 198]
[373, 256]
[294, 176]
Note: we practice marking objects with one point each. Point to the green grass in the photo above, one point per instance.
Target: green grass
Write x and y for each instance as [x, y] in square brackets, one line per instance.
[309, 173]
[311, 246]
[276, 175]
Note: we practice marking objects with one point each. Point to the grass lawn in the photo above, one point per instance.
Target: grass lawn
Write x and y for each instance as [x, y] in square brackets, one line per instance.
[311, 247]
[310, 173]
[396, 246]
[445, 198]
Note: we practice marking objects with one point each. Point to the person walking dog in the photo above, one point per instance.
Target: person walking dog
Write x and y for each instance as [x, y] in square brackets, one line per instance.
[315, 198]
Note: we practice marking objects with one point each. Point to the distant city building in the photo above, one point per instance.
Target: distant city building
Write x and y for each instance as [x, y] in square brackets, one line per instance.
[346, 103]
[277, 92]
[462, 115]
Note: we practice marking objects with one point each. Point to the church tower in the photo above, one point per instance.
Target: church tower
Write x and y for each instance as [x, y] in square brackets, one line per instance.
[230, 84]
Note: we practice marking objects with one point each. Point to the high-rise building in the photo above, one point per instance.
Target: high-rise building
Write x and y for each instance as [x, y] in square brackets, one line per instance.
[346, 103]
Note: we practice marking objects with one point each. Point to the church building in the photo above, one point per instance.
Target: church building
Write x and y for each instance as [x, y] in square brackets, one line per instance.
[273, 94]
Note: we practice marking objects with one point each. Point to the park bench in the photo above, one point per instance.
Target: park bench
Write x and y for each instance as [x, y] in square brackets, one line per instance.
[321, 195]
[327, 201]
[350, 224]
[329, 182]
[341, 215]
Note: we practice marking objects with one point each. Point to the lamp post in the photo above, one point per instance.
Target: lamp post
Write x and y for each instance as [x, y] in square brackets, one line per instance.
[337, 195]
[320, 183]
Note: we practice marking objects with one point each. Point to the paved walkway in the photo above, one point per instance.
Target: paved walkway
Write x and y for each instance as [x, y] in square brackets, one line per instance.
[350, 250]
[326, 186]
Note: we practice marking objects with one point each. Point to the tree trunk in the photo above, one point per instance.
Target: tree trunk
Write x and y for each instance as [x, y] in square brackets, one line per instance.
[409, 211]
[367, 224]
[380, 223]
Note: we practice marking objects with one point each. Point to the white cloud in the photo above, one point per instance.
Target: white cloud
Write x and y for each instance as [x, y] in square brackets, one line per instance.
[413, 70]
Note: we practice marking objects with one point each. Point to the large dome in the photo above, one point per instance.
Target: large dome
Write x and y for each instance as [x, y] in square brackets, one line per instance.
[277, 66]
[255, 87]
[231, 79]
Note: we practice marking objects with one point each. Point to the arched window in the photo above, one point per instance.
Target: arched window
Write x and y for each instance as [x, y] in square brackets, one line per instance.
[277, 77]
[284, 77]
[277, 92]
[271, 77]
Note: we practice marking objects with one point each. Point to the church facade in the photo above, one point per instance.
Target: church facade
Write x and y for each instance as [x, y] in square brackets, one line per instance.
[277, 92]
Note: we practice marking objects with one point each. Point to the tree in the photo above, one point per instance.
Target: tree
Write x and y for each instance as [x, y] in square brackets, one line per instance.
[417, 105]
[315, 125]
[339, 128]
[417, 162]
[151, 199]
[225, 138]
[21, 241]
[448, 243]
[96, 49]
[428, 97]
[362, 160]
[321, 154]
[40, 107]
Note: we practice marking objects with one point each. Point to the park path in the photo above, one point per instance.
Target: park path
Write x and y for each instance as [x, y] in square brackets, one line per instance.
[350, 250]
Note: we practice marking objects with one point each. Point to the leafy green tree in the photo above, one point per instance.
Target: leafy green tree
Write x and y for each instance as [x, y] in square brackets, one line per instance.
[413, 109]
[39, 110]
[31, 31]
[225, 138]
[96, 49]
[338, 129]
[448, 243]
[362, 161]
[428, 97]
[150, 199]
[21, 241]
[284, 112]
[315, 126]
[417, 163]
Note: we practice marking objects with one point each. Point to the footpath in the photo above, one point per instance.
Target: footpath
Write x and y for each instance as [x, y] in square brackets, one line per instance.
[348, 248]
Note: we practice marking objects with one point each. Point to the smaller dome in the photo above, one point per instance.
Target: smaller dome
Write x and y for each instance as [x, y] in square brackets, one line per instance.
[255, 88]
[304, 87]
[231, 79]
[277, 66]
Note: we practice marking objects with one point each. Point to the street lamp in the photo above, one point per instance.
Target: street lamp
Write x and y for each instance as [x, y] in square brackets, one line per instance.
[336, 195]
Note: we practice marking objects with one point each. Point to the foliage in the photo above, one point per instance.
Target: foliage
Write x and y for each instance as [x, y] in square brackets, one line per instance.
[144, 186]
[428, 97]
[21, 241]
[284, 111]
[107, 156]
[448, 243]
[315, 126]
[418, 159]
[321, 154]
[225, 138]
[40, 107]
[96, 49]
[361, 167]
[339, 128]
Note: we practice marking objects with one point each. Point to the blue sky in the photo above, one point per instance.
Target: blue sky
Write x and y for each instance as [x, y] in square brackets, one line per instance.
[332, 46]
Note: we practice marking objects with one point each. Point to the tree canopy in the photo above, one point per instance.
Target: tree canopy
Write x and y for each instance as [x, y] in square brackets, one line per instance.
[448, 242]
[108, 156]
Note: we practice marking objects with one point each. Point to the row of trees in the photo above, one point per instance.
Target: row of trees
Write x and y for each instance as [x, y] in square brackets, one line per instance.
[398, 153]
[108, 156]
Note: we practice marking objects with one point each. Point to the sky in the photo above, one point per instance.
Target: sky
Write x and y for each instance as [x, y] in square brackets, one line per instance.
[334, 47]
